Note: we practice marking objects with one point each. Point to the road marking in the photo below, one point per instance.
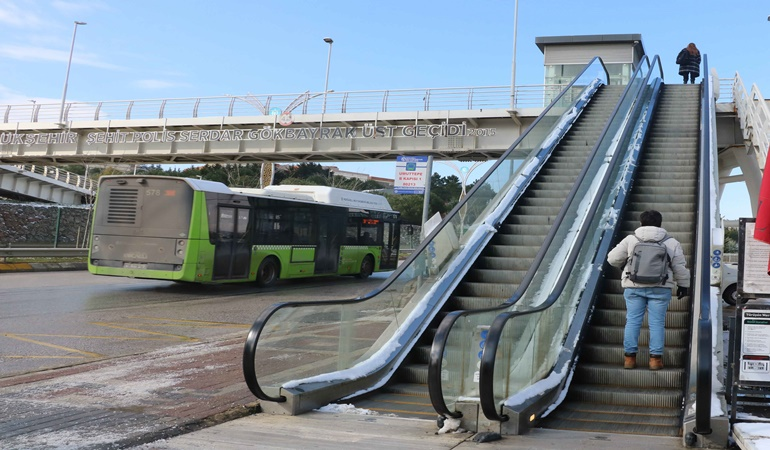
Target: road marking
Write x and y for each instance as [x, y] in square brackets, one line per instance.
[158, 336]
[173, 336]
[77, 336]
[59, 347]
[188, 322]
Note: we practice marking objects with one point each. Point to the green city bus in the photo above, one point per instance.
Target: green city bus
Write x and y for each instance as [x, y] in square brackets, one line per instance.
[185, 229]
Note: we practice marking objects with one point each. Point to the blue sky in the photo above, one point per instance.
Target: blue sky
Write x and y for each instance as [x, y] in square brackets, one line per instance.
[169, 49]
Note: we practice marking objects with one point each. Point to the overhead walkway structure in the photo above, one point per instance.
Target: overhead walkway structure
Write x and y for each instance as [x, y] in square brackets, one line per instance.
[511, 278]
[46, 184]
[476, 123]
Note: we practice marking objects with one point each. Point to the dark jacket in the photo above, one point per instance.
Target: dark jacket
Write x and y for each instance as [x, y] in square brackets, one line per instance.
[690, 63]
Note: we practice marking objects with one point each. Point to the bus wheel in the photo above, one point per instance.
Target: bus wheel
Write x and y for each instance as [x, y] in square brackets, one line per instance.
[268, 271]
[367, 267]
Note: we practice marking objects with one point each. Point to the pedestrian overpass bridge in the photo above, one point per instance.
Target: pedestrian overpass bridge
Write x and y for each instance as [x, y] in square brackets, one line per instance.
[463, 123]
[471, 123]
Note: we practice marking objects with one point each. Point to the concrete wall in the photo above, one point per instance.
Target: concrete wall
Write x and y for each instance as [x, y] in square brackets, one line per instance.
[43, 225]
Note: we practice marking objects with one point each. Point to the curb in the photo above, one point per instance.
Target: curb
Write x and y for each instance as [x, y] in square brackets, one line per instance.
[41, 267]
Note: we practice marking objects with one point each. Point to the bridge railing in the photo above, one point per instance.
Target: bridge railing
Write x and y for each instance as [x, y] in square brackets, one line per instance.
[754, 116]
[60, 175]
[393, 100]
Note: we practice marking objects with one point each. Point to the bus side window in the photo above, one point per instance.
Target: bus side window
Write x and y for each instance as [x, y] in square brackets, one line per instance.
[351, 232]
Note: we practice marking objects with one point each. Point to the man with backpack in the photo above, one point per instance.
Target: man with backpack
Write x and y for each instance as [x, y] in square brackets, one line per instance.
[653, 264]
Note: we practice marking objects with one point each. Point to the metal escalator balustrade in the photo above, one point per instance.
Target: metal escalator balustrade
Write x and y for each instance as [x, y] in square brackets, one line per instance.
[697, 420]
[304, 355]
[454, 360]
[603, 396]
[500, 267]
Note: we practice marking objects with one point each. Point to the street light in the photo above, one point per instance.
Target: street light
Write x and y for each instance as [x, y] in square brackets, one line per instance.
[513, 62]
[329, 41]
[67, 77]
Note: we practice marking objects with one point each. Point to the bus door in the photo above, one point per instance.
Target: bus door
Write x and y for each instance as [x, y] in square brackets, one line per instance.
[232, 251]
[390, 240]
[331, 232]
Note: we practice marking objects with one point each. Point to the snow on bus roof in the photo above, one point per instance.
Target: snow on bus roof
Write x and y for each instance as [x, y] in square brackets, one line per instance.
[337, 196]
[317, 194]
[271, 193]
[206, 185]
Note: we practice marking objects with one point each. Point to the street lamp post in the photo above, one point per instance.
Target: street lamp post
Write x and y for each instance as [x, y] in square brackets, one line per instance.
[67, 77]
[329, 41]
[513, 61]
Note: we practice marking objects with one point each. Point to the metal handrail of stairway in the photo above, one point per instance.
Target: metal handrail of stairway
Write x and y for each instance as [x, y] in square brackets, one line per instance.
[423, 264]
[609, 135]
[698, 396]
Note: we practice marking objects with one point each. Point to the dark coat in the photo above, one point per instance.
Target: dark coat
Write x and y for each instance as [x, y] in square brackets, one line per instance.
[691, 63]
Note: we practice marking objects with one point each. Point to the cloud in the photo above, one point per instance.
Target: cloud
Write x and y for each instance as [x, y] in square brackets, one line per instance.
[10, 96]
[30, 53]
[158, 84]
[17, 16]
[77, 7]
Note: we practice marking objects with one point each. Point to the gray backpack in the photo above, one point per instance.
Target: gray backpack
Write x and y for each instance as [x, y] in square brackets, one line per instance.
[649, 262]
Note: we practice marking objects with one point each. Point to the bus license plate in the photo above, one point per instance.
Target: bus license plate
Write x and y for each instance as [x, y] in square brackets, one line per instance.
[135, 265]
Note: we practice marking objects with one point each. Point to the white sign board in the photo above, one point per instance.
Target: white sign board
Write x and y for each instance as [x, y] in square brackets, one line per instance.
[411, 174]
[755, 345]
[753, 280]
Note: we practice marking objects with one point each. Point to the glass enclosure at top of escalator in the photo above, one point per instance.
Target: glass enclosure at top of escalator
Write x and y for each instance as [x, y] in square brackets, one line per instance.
[531, 343]
[301, 343]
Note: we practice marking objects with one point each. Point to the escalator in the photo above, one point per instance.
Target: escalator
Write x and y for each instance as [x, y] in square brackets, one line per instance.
[299, 356]
[603, 397]
[498, 271]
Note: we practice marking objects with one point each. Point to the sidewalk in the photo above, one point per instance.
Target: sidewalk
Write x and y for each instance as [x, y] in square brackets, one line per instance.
[351, 431]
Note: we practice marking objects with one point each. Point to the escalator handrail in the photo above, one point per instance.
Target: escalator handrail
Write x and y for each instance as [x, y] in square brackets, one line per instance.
[702, 286]
[486, 370]
[250, 345]
[435, 389]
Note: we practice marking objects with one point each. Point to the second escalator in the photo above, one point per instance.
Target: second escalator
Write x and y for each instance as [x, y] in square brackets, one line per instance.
[498, 271]
[603, 396]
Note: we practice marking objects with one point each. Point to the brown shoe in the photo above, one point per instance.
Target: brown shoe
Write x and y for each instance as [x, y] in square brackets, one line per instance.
[656, 362]
[629, 361]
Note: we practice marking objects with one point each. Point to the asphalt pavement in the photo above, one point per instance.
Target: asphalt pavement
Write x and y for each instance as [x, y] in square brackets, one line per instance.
[193, 396]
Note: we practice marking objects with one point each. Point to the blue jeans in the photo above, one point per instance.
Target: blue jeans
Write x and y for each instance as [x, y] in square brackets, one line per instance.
[655, 301]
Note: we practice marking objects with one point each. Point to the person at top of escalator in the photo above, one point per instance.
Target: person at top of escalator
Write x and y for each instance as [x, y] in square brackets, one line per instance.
[653, 264]
[689, 63]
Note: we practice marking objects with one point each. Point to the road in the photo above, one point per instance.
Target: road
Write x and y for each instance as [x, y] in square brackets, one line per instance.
[57, 319]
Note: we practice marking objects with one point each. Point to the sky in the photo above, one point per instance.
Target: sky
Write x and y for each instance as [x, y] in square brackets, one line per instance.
[173, 49]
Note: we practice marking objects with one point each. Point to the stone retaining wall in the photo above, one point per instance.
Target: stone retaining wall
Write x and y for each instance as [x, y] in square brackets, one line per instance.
[43, 225]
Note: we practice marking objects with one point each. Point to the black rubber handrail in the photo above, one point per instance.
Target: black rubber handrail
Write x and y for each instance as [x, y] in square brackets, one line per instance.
[435, 389]
[486, 370]
[702, 285]
[250, 346]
